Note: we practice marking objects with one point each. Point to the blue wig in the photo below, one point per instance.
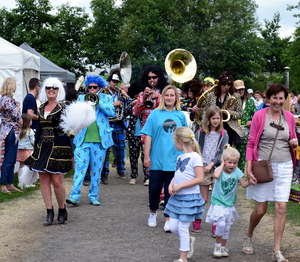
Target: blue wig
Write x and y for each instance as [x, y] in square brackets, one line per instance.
[95, 79]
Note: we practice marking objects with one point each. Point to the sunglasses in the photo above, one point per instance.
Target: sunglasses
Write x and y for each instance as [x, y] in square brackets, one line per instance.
[226, 84]
[53, 87]
[263, 97]
[241, 89]
[276, 126]
[93, 87]
[152, 77]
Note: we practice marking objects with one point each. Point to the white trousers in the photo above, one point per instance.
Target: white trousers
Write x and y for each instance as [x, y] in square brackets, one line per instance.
[181, 230]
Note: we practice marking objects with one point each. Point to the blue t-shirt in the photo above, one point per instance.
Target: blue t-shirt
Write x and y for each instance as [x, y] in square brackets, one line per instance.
[160, 125]
[226, 188]
[29, 102]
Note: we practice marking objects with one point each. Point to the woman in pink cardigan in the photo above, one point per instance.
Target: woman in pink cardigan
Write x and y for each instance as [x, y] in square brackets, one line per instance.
[265, 125]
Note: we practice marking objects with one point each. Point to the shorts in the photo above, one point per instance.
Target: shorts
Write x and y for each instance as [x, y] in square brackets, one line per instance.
[208, 178]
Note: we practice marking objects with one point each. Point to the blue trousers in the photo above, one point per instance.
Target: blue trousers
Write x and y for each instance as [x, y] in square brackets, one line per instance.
[10, 156]
[119, 146]
[157, 179]
[92, 154]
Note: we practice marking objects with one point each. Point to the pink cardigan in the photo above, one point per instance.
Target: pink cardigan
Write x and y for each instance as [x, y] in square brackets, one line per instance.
[257, 127]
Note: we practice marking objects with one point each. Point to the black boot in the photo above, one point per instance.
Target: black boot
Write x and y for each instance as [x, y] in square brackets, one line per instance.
[62, 216]
[49, 218]
[104, 179]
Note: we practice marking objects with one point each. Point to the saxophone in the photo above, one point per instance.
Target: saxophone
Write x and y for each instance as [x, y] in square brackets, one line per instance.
[199, 104]
[228, 104]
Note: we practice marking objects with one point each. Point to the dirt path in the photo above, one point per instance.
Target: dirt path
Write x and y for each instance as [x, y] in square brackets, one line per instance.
[117, 231]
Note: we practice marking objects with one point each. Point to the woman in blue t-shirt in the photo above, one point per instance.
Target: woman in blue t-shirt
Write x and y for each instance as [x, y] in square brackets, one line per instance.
[160, 151]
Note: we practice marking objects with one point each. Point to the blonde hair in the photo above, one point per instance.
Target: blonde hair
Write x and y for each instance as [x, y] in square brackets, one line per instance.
[162, 105]
[187, 137]
[8, 87]
[230, 152]
[210, 112]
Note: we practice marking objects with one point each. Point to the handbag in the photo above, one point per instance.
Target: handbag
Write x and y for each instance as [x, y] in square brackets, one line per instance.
[262, 170]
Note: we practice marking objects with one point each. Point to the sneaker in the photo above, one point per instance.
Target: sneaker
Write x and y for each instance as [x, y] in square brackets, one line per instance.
[72, 201]
[217, 251]
[224, 252]
[132, 181]
[86, 182]
[152, 220]
[196, 225]
[29, 185]
[213, 229]
[162, 203]
[167, 227]
[95, 202]
[122, 176]
[146, 183]
[192, 244]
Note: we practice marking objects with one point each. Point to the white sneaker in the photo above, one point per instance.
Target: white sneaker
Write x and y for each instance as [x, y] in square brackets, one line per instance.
[167, 227]
[132, 181]
[146, 183]
[192, 244]
[152, 220]
[224, 252]
[217, 251]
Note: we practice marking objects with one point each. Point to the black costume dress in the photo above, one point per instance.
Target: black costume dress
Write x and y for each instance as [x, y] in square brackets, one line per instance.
[52, 152]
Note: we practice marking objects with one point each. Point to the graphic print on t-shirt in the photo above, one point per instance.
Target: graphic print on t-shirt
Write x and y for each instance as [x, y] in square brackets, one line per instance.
[228, 185]
[169, 126]
[182, 163]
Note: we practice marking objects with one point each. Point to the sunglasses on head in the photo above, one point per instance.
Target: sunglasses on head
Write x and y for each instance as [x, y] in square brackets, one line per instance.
[93, 87]
[276, 126]
[53, 87]
[152, 77]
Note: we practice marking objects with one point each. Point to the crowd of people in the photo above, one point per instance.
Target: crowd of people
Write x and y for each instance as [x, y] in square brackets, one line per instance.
[181, 161]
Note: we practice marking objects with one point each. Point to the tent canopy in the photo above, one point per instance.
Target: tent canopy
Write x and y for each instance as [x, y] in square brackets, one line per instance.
[19, 64]
[49, 69]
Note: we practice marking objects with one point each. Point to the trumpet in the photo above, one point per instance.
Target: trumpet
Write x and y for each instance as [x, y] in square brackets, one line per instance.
[149, 101]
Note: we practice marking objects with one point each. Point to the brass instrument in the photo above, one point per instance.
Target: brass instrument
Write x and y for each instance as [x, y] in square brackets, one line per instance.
[180, 65]
[92, 97]
[228, 104]
[124, 70]
[199, 104]
[149, 101]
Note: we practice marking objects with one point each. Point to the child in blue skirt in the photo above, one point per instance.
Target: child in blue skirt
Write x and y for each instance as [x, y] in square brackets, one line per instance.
[186, 203]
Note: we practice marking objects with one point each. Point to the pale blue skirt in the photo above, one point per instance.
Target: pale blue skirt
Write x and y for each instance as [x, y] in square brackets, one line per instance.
[185, 208]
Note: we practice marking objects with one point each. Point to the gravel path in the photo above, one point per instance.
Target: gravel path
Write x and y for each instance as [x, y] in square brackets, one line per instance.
[117, 231]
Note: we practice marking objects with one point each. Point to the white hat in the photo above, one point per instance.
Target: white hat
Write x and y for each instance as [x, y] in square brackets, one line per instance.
[250, 91]
[115, 77]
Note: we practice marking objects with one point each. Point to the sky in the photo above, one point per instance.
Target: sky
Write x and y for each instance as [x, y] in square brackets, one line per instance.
[266, 10]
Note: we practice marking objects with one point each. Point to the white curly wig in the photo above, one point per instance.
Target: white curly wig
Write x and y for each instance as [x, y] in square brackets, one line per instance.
[55, 82]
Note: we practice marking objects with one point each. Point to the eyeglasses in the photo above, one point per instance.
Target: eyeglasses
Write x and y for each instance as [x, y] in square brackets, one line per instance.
[53, 87]
[276, 126]
[241, 89]
[263, 97]
[152, 77]
[93, 87]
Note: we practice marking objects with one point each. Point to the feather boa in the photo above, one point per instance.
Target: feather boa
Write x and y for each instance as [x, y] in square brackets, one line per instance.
[77, 116]
[27, 176]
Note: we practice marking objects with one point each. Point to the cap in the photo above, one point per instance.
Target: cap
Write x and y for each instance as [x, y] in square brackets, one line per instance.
[239, 84]
[115, 77]
[250, 91]
[208, 81]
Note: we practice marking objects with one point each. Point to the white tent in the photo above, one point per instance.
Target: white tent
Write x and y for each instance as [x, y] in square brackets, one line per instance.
[19, 64]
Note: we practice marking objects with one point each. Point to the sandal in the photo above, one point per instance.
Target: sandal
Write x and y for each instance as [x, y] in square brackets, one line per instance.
[247, 246]
[278, 257]
[6, 191]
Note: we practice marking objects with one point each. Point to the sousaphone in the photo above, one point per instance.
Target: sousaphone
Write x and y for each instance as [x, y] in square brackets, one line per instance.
[124, 68]
[180, 65]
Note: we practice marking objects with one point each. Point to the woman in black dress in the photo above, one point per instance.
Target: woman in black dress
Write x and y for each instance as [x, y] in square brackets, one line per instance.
[52, 156]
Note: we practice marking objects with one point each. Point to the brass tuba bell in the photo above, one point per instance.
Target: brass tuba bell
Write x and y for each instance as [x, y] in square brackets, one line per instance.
[180, 65]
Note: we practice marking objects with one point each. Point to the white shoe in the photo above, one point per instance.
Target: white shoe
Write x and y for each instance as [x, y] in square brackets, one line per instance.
[146, 183]
[29, 185]
[167, 227]
[132, 181]
[152, 220]
[224, 252]
[217, 251]
[192, 244]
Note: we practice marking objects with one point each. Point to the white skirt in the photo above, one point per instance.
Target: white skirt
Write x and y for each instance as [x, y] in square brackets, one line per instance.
[277, 190]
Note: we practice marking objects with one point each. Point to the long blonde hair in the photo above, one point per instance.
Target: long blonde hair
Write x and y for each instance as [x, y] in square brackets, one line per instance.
[187, 137]
[162, 105]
